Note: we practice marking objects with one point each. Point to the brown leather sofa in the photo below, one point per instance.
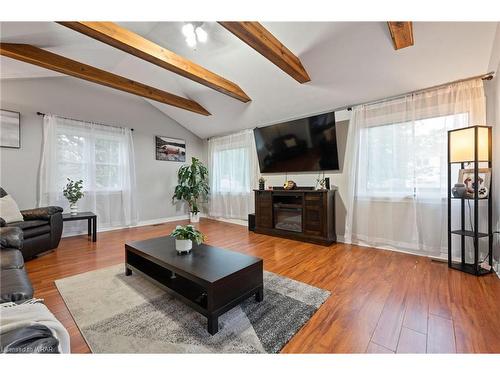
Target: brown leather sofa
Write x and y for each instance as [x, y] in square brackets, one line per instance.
[42, 228]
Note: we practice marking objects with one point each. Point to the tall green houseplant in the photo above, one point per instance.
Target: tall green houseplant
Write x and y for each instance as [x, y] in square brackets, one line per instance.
[192, 186]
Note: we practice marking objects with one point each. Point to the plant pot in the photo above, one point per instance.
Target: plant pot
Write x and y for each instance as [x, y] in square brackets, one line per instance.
[194, 217]
[73, 209]
[183, 246]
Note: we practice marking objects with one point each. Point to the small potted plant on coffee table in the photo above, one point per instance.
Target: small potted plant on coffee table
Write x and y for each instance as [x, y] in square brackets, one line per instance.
[184, 237]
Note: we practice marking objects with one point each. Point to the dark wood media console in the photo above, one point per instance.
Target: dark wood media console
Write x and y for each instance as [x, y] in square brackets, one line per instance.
[304, 215]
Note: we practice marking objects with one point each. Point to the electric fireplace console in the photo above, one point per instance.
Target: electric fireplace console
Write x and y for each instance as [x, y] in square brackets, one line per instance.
[300, 214]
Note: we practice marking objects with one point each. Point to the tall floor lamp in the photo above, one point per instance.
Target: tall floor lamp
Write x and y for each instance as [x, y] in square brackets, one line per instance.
[471, 145]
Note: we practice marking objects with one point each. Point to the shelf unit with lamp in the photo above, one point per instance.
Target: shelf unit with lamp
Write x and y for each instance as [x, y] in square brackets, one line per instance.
[472, 146]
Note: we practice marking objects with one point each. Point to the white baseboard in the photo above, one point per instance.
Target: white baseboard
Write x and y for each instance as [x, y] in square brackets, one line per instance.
[231, 221]
[141, 223]
[340, 238]
[161, 220]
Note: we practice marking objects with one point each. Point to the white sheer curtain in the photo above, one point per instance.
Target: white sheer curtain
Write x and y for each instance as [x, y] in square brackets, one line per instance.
[103, 157]
[396, 165]
[233, 168]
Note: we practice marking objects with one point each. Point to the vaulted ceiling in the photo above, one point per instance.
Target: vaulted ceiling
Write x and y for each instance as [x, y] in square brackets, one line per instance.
[348, 63]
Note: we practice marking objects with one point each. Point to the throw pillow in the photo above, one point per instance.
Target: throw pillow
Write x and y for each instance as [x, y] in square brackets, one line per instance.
[9, 210]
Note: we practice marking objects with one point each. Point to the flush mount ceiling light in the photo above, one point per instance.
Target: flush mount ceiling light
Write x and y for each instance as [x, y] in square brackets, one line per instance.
[194, 33]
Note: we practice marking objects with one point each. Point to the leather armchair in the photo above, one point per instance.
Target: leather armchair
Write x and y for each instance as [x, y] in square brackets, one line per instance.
[42, 229]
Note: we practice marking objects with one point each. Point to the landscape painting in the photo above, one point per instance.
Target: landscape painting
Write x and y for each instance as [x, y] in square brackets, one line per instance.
[170, 149]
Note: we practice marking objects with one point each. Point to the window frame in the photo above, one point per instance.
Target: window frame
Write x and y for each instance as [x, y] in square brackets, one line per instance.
[412, 194]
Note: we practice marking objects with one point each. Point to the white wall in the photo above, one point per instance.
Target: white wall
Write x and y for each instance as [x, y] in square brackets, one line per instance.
[82, 100]
[336, 178]
[493, 118]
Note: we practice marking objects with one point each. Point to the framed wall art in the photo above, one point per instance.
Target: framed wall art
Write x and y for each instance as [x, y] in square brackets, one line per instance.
[10, 129]
[466, 177]
[170, 149]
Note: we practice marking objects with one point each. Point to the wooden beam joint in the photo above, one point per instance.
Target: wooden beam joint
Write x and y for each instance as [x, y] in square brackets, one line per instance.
[401, 34]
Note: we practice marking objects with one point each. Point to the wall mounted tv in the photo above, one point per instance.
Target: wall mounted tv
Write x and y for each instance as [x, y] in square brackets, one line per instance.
[305, 145]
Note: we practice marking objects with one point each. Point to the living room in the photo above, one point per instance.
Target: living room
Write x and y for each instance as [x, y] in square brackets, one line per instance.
[301, 185]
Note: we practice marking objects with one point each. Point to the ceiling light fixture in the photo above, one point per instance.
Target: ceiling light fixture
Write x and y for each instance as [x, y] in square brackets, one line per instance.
[194, 33]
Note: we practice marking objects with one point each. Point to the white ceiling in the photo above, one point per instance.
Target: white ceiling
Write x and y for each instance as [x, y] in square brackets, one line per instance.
[348, 62]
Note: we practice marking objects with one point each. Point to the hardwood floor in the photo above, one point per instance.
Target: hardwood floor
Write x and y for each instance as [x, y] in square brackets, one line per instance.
[381, 301]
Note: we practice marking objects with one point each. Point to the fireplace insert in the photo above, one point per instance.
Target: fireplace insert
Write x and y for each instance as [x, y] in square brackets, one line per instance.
[288, 217]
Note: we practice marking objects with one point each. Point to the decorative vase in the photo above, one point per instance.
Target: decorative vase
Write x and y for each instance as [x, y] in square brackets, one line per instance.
[73, 209]
[261, 185]
[194, 217]
[183, 246]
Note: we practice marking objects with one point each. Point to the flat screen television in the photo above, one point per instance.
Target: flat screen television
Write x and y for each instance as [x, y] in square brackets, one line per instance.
[305, 145]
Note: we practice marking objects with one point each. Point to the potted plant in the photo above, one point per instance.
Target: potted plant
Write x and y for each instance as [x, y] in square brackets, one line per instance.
[73, 192]
[192, 187]
[184, 237]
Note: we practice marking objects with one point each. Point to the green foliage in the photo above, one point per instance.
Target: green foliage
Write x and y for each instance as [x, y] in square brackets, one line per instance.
[262, 180]
[73, 190]
[188, 232]
[192, 185]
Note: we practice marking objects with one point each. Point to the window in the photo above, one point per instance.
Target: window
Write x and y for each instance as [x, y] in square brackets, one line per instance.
[232, 162]
[87, 155]
[406, 159]
[233, 175]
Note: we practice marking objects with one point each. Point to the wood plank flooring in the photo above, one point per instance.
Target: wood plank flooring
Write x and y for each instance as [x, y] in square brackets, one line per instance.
[381, 301]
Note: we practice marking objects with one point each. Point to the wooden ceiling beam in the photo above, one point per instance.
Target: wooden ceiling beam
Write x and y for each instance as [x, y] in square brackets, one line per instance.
[261, 40]
[401, 34]
[48, 60]
[134, 44]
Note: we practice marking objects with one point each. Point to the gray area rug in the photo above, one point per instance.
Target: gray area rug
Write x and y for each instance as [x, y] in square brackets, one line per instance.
[129, 314]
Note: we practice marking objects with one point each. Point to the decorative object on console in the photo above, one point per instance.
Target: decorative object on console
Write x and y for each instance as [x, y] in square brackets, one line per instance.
[289, 185]
[471, 146]
[170, 149]
[184, 237]
[10, 129]
[192, 187]
[73, 193]
[262, 183]
[321, 182]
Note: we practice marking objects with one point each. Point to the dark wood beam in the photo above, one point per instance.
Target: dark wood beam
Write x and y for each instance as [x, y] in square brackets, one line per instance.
[401, 34]
[48, 60]
[134, 44]
[261, 40]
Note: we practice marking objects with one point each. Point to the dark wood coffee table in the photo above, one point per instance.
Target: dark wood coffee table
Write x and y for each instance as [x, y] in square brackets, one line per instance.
[209, 279]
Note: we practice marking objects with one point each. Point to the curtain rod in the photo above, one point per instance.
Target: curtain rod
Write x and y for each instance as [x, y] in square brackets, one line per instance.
[488, 76]
[72, 119]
